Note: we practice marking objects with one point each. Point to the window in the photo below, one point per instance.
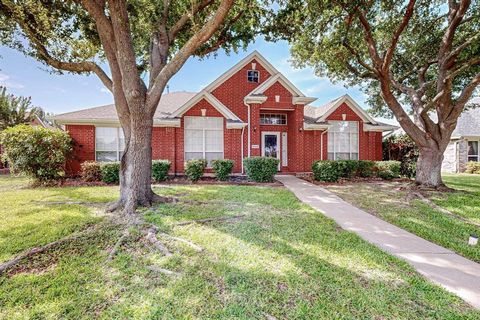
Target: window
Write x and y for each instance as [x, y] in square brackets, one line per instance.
[204, 138]
[273, 118]
[473, 151]
[253, 76]
[343, 140]
[109, 143]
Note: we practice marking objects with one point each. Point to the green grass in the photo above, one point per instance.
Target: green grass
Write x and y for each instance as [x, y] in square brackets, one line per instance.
[281, 259]
[390, 201]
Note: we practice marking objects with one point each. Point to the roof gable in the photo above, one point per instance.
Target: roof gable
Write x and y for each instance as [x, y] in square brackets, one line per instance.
[329, 108]
[229, 115]
[280, 78]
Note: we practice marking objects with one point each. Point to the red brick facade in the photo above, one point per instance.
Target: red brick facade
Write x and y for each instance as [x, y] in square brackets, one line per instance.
[303, 147]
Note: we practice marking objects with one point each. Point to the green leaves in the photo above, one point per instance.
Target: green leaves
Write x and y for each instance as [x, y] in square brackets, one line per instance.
[36, 151]
[16, 110]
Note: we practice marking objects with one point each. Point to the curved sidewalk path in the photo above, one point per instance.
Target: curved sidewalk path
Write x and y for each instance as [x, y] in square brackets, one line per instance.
[442, 266]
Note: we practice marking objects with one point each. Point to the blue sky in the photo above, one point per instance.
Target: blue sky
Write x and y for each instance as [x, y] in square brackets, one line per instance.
[62, 93]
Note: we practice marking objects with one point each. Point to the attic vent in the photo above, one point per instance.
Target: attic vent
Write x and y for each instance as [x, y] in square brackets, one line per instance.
[253, 76]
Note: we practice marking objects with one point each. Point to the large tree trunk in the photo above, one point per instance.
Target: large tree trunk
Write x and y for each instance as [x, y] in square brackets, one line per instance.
[136, 164]
[429, 167]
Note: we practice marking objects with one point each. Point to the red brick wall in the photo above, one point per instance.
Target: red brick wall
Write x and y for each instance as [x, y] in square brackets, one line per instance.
[370, 143]
[84, 146]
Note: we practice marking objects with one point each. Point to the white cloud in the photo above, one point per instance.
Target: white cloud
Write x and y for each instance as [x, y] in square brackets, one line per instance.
[6, 81]
[104, 90]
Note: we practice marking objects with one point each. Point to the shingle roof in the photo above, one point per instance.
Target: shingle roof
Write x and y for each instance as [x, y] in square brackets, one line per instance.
[168, 103]
[468, 123]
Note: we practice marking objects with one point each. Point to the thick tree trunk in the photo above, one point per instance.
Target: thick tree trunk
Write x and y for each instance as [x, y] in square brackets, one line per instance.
[136, 165]
[429, 168]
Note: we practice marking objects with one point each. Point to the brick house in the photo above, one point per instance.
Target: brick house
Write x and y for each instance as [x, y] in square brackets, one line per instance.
[250, 110]
[465, 140]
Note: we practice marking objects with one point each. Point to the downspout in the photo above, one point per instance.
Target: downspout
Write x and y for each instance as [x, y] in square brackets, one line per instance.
[321, 143]
[241, 146]
[248, 123]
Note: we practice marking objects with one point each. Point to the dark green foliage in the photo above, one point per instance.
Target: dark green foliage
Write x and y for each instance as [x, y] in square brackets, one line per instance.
[347, 168]
[36, 151]
[91, 171]
[194, 169]
[326, 170]
[388, 169]
[365, 168]
[16, 110]
[261, 169]
[401, 148]
[160, 169]
[473, 167]
[110, 172]
[222, 168]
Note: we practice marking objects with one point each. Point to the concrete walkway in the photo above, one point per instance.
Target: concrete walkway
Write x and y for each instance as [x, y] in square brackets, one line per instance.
[453, 272]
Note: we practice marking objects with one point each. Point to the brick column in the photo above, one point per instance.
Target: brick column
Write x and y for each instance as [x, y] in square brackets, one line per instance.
[299, 165]
[255, 136]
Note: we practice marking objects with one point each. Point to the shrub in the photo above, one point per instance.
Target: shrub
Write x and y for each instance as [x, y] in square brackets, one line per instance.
[261, 169]
[160, 169]
[194, 169]
[408, 169]
[402, 148]
[38, 152]
[388, 169]
[326, 170]
[110, 172]
[473, 167]
[347, 168]
[365, 168]
[91, 171]
[222, 168]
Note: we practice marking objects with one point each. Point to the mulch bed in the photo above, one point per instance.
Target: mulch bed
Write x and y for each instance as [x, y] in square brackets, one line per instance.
[178, 180]
[342, 181]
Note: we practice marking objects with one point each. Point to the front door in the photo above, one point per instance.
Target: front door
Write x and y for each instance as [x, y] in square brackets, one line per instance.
[271, 145]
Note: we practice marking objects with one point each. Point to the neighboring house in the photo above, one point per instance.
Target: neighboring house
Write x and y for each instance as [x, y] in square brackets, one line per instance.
[464, 144]
[250, 110]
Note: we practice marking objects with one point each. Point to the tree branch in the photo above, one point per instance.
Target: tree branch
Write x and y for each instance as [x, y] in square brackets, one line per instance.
[393, 45]
[178, 26]
[205, 33]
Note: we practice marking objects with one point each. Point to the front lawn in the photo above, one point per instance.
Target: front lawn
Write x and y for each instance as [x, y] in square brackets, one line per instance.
[276, 258]
[393, 202]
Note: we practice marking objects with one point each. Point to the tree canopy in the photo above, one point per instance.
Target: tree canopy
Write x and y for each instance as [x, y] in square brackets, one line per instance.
[417, 60]
[16, 110]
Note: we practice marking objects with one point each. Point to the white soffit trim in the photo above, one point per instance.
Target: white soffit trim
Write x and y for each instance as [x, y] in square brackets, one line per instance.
[116, 123]
[210, 99]
[255, 99]
[303, 100]
[378, 128]
[236, 125]
[274, 79]
[312, 126]
[352, 104]
[230, 72]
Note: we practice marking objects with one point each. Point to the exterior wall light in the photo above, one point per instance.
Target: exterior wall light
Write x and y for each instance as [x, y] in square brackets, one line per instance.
[473, 240]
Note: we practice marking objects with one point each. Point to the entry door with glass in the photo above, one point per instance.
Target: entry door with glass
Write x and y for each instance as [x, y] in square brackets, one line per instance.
[271, 145]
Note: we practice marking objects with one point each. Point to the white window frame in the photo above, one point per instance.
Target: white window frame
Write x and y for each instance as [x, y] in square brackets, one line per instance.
[478, 150]
[258, 77]
[350, 133]
[273, 114]
[118, 152]
[204, 152]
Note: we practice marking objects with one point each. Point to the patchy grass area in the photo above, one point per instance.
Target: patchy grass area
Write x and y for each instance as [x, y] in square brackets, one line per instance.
[392, 202]
[280, 259]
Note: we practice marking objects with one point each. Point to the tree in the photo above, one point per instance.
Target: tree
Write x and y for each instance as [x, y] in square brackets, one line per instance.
[417, 60]
[144, 43]
[16, 110]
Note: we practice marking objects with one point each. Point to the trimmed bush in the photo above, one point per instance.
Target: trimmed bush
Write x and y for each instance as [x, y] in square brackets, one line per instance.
[347, 168]
[37, 152]
[91, 171]
[160, 169]
[388, 169]
[326, 170]
[222, 168]
[194, 169]
[110, 172]
[261, 169]
[365, 168]
[473, 167]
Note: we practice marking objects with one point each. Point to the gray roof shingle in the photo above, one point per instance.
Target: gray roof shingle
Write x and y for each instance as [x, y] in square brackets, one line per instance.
[468, 123]
[168, 103]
